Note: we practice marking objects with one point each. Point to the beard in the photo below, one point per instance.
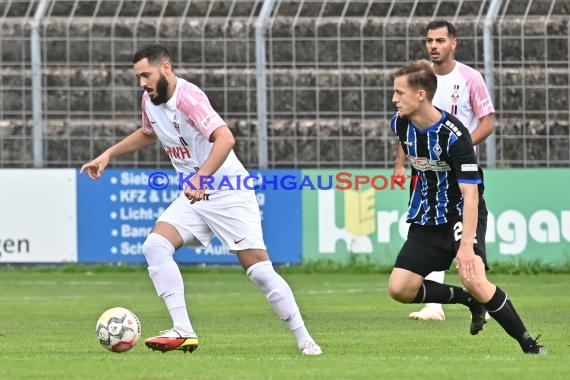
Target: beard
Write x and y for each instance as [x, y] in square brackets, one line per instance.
[161, 91]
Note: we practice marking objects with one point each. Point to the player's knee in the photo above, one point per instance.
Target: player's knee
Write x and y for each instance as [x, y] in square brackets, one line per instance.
[401, 296]
[260, 272]
[157, 249]
[398, 290]
[394, 293]
[400, 293]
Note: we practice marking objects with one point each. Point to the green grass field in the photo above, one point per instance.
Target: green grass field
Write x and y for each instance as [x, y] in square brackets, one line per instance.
[47, 323]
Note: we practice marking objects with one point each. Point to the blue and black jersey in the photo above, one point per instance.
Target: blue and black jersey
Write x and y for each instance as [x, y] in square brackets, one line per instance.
[442, 156]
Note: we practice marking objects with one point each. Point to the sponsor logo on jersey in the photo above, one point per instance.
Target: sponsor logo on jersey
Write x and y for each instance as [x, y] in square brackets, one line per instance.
[486, 103]
[424, 164]
[209, 120]
[469, 167]
[180, 152]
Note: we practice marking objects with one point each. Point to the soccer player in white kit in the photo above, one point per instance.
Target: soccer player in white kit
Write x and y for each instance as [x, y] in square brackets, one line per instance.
[462, 92]
[198, 141]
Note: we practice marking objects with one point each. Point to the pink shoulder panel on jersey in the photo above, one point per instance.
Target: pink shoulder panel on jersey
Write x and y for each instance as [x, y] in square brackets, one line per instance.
[194, 103]
[479, 94]
[146, 126]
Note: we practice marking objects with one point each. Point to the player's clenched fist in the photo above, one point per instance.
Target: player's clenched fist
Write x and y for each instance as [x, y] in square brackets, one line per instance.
[194, 193]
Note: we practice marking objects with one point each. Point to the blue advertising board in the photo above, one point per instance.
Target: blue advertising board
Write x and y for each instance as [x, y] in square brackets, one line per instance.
[117, 212]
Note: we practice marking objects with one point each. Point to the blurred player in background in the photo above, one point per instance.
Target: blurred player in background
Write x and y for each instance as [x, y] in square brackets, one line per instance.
[443, 210]
[462, 92]
[199, 142]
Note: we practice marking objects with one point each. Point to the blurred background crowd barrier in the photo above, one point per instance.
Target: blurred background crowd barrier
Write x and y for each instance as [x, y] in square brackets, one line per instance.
[302, 84]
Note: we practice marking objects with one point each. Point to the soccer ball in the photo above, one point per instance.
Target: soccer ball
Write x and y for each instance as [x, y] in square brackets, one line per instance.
[118, 329]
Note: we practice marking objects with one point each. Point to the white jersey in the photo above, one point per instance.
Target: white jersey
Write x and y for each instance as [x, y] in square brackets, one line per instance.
[464, 94]
[183, 125]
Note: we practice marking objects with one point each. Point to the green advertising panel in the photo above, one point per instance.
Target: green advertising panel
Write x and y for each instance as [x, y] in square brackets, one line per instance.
[360, 215]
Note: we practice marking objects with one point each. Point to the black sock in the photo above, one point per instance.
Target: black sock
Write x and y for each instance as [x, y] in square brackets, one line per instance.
[503, 311]
[434, 292]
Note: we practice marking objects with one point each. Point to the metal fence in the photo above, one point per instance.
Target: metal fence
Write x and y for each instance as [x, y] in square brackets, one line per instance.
[301, 83]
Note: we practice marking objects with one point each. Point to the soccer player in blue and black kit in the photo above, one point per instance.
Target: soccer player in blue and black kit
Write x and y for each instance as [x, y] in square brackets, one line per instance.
[443, 210]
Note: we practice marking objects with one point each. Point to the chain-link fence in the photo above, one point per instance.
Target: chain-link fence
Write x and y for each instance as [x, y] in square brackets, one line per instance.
[327, 75]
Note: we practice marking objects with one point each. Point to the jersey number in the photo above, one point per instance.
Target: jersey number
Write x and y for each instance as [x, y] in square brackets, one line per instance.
[457, 230]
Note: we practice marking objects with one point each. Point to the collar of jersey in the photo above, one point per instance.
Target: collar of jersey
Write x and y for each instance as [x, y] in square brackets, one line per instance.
[171, 103]
[434, 126]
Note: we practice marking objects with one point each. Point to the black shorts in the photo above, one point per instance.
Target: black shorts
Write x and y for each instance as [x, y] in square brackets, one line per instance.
[433, 248]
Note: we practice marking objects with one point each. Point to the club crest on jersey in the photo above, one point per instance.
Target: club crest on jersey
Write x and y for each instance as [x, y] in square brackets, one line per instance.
[180, 138]
[455, 93]
[176, 126]
[436, 150]
[452, 128]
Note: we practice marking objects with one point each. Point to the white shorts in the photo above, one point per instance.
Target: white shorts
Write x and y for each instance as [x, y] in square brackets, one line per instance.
[233, 216]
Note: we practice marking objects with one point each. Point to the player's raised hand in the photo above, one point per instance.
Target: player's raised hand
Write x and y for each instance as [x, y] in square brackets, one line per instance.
[95, 167]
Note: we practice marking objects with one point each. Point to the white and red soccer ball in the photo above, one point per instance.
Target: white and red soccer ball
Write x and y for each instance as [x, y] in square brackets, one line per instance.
[118, 329]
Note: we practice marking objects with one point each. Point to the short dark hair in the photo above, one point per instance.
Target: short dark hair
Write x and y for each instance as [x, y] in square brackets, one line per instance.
[420, 75]
[155, 53]
[437, 24]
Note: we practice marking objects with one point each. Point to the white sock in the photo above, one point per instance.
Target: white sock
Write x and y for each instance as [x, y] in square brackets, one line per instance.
[167, 279]
[436, 277]
[181, 320]
[302, 336]
[280, 297]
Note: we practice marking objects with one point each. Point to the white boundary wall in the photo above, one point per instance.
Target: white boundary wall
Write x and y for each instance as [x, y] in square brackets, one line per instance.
[38, 212]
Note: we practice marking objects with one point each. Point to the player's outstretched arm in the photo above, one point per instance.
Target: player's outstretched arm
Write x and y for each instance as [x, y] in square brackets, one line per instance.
[133, 142]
